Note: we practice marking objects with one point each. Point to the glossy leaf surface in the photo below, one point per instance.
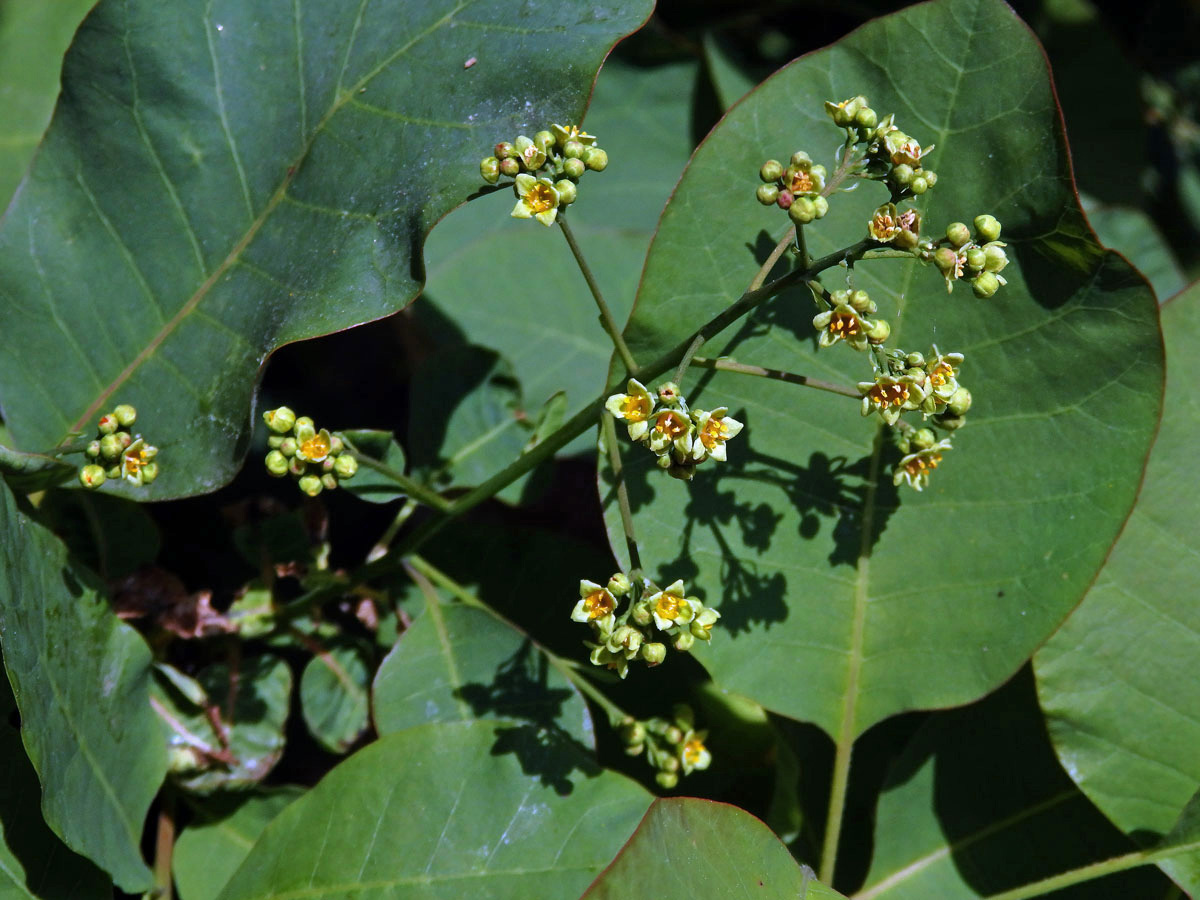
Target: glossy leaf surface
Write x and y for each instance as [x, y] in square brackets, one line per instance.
[225, 177]
[845, 599]
[333, 696]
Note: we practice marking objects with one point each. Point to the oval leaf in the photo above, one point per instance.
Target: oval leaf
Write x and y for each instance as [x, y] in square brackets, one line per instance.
[447, 811]
[224, 177]
[333, 696]
[844, 599]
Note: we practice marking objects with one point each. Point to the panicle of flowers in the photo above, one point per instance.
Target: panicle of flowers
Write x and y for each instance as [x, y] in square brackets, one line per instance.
[796, 189]
[673, 746]
[116, 453]
[545, 169]
[651, 618]
[317, 460]
[682, 438]
[891, 155]
[977, 259]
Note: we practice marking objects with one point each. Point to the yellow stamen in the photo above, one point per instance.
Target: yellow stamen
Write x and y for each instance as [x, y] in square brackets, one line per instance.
[540, 198]
[714, 432]
[671, 423]
[889, 394]
[693, 750]
[598, 604]
[316, 447]
[670, 606]
[634, 408]
[844, 325]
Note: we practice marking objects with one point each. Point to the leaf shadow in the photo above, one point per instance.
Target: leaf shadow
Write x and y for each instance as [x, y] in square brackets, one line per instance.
[520, 691]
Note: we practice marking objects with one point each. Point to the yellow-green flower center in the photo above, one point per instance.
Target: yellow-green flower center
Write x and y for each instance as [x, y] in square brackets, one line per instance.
[541, 198]
[671, 423]
[714, 432]
[914, 467]
[802, 183]
[316, 447]
[598, 604]
[941, 373]
[634, 408]
[670, 606]
[693, 750]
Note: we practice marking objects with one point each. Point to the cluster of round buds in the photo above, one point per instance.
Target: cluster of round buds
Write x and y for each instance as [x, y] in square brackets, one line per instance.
[922, 452]
[847, 320]
[978, 259]
[317, 460]
[900, 229]
[652, 617]
[117, 453]
[672, 746]
[892, 156]
[797, 188]
[545, 169]
[680, 437]
[913, 381]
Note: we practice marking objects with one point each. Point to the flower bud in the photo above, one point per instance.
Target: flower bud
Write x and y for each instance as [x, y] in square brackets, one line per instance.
[987, 227]
[126, 415]
[149, 472]
[945, 259]
[276, 463]
[918, 185]
[544, 140]
[683, 641]
[275, 441]
[108, 424]
[311, 485]
[785, 199]
[976, 258]
[923, 439]
[641, 615]
[110, 446]
[916, 359]
[772, 170]
[595, 159]
[902, 174]
[995, 258]
[567, 192]
[288, 446]
[673, 734]
[667, 780]
[861, 301]
[958, 234]
[802, 211]
[930, 177]
[985, 285]
[327, 464]
[949, 421]
[345, 466]
[654, 653]
[280, 420]
[574, 168]
[801, 160]
[618, 585]
[297, 466]
[124, 438]
[489, 169]
[767, 194]
[878, 331]
[668, 393]
[632, 731]
[93, 449]
[504, 150]
[510, 167]
[574, 149]
[821, 205]
[93, 476]
[866, 118]
[329, 481]
[960, 402]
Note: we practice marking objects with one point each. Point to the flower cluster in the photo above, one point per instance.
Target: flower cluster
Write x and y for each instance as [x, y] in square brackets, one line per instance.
[797, 189]
[653, 616]
[672, 746]
[891, 155]
[978, 259]
[900, 229]
[316, 459]
[845, 319]
[117, 453]
[545, 169]
[680, 437]
[922, 453]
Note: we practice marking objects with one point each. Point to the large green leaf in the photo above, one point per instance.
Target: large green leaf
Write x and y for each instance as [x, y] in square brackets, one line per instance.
[81, 681]
[844, 599]
[34, 864]
[446, 811]
[224, 177]
[687, 848]
[1134, 235]
[33, 39]
[214, 844]
[333, 695]
[1124, 716]
[460, 664]
[977, 804]
[535, 308]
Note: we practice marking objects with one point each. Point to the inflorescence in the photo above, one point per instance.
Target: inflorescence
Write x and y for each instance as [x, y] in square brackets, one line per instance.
[672, 746]
[317, 460]
[117, 453]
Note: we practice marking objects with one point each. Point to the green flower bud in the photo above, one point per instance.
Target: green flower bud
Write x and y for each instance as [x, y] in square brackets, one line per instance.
[92, 476]
[822, 206]
[544, 140]
[860, 300]
[923, 439]
[126, 415]
[902, 174]
[124, 438]
[654, 653]
[149, 472]
[275, 441]
[345, 466]
[802, 211]
[930, 177]
[985, 285]
[618, 585]
[818, 173]
[336, 445]
[976, 258]
[276, 463]
[327, 464]
[767, 194]
[311, 485]
[288, 446]
[504, 150]
[567, 192]
[108, 424]
[280, 420]
[914, 360]
[632, 731]
[93, 449]
[945, 259]
[878, 331]
[801, 160]
[574, 150]
[949, 421]
[110, 446]
[667, 780]
[772, 170]
[673, 734]
[634, 749]
[510, 167]
[958, 234]
[328, 481]
[995, 258]
[489, 169]
[987, 227]
[642, 615]
[866, 118]
[683, 641]
[297, 466]
[960, 402]
[785, 199]
[574, 168]
[919, 184]
[595, 159]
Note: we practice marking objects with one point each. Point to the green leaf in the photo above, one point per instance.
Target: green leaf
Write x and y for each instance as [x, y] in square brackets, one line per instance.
[333, 696]
[846, 600]
[34, 864]
[687, 848]
[1124, 723]
[1134, 235]
[446, 810]
[224, 178]
[214, 844]
[729, 81]
[33, 39]
[977, 804]
[252, 737]
[369, 484]
[537, 311]
[109, 535]
[456, 664]
[81, 681]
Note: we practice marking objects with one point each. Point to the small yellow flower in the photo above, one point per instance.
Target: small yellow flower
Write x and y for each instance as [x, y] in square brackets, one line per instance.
[634, 407]
[315, 448]
[595, 602]
[713, 429]
[889, 396]
[884, 225]
[135, 459]
[669, 607]
[536, 199]
[693, 754]
[915, 468]
[842, 323]
[671, 428]
[564, 133]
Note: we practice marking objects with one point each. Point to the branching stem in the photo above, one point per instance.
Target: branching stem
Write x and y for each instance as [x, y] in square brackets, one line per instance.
[413, 489]
[614, 459]
[606, 316]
